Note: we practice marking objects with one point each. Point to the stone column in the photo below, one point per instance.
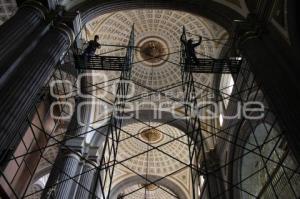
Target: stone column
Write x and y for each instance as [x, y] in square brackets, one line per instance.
[98, 190]
[79, 125]
[74, 144]
[27, 24]
[279, 81]
[70, 147]
[98, 179]
[85, 183]
[20, 94]
[65, 179]
[214, 187]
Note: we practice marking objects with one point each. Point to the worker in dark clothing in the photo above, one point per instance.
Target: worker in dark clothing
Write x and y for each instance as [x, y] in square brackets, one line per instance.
[190, 49]
[91, 48]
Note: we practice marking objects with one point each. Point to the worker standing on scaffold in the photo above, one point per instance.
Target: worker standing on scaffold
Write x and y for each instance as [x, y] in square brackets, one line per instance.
[90, 50]
[190, 49]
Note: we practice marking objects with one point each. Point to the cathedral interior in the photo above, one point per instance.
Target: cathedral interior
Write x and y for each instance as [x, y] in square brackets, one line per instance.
[150, 113]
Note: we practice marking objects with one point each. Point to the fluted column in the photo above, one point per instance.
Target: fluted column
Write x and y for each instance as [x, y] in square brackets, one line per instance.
[75, 141]
[98, 179]
[85, 183]
[19, 95]
[279, 81]
[79, 125]
[74, 145]
[65, 179]
[81, 117]
[98, 191]
[29, 19]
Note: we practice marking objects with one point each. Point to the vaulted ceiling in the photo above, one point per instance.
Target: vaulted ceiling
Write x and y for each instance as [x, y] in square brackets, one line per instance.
[168, 160]
[157, 34]
[161, 29]
[151, 192]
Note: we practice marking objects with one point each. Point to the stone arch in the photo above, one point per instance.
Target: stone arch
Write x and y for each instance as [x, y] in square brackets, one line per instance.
[214, 11]
[144, 115]
[133, 180]
[246, 130]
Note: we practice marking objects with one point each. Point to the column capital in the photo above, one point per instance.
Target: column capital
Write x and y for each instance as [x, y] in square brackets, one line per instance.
[244, 30]
[74, 143]
[90, 160]
[91, 163]
[69, 23]
[67, 153]
[248, 29]
[93, 154]
[66, 30]
[37, 6]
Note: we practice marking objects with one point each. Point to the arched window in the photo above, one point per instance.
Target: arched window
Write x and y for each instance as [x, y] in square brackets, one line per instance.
[226, 87]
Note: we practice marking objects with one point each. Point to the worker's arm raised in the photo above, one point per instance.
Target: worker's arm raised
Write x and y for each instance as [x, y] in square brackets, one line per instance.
[199, 42]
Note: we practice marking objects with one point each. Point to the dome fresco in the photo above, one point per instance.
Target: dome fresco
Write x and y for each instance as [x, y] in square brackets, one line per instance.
[170, 158]
[162, 28]
[153, 162]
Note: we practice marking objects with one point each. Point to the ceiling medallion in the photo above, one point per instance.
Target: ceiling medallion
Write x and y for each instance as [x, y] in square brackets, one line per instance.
[151, 135]
[149, 187]
[153, 51]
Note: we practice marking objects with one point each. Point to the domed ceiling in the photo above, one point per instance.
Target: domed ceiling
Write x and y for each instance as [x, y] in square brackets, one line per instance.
[157, 34]
[168, 159]
[160, 162]
[156, 66]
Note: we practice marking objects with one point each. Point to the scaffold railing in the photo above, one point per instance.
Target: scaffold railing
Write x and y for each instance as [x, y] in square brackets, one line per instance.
[221, 66]
[208, 64]
[197, 150]
[105, 171]
[279, 173]
[105, 62]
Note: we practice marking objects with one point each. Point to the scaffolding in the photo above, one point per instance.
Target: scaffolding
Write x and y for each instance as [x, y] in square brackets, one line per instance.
[276, 165]
[193, 124]
[105, 171]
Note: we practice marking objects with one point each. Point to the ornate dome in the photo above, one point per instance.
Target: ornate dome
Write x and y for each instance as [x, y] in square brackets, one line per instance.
[154, 162]
[157, 56]
[169, 158]
[158, 34]
[151, 135]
